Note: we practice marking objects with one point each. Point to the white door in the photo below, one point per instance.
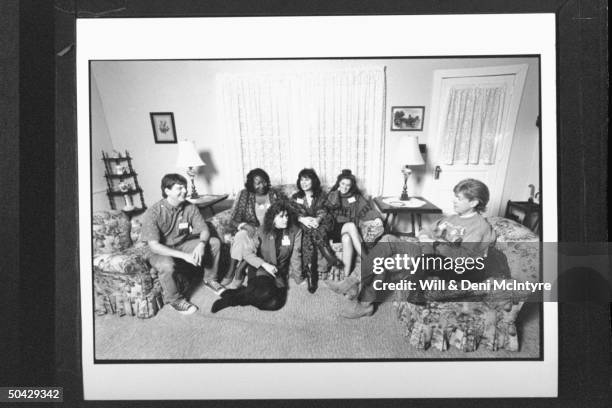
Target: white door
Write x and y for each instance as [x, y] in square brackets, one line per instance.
[506, 82]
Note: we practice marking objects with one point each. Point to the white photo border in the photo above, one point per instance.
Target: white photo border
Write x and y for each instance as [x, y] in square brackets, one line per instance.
[318, 37]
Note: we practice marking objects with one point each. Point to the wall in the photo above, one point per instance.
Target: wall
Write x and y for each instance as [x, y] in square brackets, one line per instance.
[129, 91]
[100, 141]
[524, 165]
[410, 83]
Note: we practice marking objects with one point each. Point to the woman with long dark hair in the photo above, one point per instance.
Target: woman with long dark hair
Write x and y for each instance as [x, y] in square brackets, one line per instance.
[278, 243]
[316, 223]
[349, 208]
[247, 215]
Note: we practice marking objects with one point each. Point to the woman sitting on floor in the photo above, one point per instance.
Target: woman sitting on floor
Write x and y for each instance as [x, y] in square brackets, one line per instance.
[316, 222]
[248, 215]
[278, 244]
[349, 208]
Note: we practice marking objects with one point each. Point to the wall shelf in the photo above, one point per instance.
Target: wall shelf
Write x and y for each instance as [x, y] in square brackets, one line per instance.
[120, 176]
[118, 171]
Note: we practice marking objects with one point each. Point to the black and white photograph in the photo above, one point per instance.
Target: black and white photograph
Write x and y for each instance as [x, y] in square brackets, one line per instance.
[268, 124]
[407, 117]
[244, 243]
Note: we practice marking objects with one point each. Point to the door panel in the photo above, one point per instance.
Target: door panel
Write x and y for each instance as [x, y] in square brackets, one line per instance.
[439, 190]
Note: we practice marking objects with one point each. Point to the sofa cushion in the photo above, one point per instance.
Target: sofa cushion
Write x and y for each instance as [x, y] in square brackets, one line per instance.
[511, 231]
[521, 247]
[286, 189]
[371, 230]
[220, 225]
[136, 229]
[110, 232]
[129, 261]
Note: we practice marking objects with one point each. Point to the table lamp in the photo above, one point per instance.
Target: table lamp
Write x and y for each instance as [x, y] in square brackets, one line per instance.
[189, 157]
[411, 156]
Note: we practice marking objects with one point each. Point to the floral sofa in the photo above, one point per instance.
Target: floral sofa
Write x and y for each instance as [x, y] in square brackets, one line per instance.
[475, 318]
[370, 231]
[124, 282]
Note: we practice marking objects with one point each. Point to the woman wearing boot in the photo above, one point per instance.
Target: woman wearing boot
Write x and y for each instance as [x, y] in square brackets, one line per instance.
[247, 215]
[349, 208]
[277, 254]
[316, 223]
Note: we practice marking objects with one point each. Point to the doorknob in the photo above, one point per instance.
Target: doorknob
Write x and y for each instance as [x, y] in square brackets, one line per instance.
[437, 172]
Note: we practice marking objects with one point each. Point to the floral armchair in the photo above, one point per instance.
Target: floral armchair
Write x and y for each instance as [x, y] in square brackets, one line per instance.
[491, 319]
[124, 282]
[370, 231]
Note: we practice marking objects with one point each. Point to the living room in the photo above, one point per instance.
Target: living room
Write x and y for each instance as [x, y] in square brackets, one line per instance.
[124, 94]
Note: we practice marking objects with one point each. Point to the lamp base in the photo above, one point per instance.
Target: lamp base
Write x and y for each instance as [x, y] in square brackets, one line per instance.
[406, 172]
[194, 194]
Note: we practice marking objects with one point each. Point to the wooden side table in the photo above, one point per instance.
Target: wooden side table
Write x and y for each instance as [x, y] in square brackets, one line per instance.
[207, 201]
[415, 212]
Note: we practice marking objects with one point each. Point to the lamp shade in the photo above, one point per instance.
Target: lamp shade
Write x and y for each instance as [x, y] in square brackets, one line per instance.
[409, 151]
[187, 155]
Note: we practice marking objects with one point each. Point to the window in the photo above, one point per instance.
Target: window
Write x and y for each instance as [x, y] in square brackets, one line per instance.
[325, 120]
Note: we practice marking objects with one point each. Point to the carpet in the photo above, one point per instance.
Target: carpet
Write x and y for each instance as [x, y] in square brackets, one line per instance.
[308, 327]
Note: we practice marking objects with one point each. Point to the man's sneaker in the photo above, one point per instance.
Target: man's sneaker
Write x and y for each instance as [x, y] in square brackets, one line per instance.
[215, 286]
[184, 307]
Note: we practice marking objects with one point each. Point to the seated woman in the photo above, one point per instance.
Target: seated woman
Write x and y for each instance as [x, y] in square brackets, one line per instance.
[278, 245]
[349, 208]
[247, 215]
[316, 223]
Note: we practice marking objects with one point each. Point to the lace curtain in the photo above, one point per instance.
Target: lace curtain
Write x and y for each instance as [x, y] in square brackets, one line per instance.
[325, 120]
[472, 125]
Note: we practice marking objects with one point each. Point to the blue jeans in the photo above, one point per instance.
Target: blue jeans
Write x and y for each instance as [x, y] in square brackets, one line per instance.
[168, 267]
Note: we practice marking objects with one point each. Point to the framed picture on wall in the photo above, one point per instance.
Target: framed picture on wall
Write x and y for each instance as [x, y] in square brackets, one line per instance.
[164, 130]
[407, 117]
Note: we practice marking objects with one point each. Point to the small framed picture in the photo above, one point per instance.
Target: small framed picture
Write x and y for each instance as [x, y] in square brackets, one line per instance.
[163, 127]
[407, 117]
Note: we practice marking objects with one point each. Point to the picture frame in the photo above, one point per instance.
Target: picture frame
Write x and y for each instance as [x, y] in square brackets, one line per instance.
[407, 118]
[164, 130]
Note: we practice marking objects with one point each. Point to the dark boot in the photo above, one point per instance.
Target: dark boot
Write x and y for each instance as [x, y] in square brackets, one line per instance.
[313, 280]
[219, 304]
[304, 275]
[228, 298]
[329, 254]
